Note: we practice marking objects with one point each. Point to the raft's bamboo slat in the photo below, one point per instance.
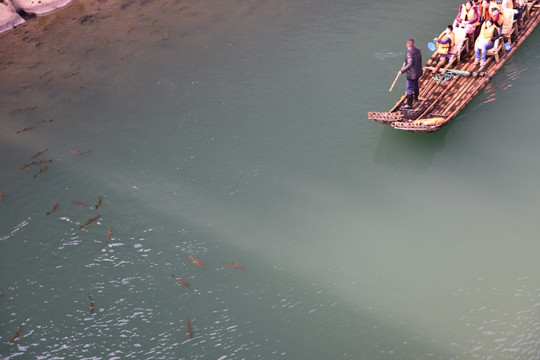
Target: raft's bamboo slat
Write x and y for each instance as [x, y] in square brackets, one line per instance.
[463, 93]
[385, 118]
[449, 98]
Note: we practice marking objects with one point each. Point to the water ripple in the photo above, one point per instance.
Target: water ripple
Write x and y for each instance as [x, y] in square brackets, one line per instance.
[16, 229]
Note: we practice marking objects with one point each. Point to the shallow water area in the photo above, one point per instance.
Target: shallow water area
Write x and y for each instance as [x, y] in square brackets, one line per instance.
[237, 132]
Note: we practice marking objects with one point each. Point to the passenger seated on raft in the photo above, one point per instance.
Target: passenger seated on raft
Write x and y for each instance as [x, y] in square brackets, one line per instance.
[483, 11]
[483, 15]
[498, 18]
[516, 6]
[445, 44]
[496, 13]
[488, 34]
[494, 5]
[468, 17]
[486, 9]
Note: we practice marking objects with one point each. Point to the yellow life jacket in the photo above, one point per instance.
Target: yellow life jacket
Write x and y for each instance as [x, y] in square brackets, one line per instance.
[445, 48]
[487, 33]
[476, 10]
[467, 15]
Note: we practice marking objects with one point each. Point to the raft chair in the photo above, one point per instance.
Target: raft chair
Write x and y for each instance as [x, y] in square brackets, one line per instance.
[509, 28]
[497, 47]
[461, 43]
[526, 14]
[528, 6]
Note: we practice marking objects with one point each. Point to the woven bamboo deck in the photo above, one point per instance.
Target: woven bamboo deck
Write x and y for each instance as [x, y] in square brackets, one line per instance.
[445, 93]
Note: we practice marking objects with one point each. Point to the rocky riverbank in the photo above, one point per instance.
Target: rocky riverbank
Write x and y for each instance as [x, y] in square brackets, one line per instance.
[14, 13]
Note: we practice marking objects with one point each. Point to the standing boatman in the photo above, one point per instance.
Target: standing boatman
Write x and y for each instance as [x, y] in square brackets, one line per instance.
[413, 68]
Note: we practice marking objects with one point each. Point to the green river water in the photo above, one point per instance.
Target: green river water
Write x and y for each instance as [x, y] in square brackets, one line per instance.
[237, 131]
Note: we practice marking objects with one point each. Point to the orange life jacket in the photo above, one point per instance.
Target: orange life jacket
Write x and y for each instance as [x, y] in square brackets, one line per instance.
[445, 48]
[487, 32]
[484, 13]
[467, 15]
[500, 18]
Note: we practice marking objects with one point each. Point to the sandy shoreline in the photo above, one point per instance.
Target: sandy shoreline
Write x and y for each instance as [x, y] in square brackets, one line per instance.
[91, 48]
[89, 41]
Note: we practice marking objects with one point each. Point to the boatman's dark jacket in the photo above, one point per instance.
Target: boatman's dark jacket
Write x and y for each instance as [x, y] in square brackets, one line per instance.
[413, 64]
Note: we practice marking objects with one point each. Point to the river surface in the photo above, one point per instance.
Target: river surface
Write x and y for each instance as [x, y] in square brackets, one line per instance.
[236, 131]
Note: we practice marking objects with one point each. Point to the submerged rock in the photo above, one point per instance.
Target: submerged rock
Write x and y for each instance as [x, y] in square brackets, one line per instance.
[9, 19]
[14, 13]
[40, 7]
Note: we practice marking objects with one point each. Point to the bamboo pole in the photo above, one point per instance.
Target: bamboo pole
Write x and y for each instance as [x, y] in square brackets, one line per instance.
[394, 83]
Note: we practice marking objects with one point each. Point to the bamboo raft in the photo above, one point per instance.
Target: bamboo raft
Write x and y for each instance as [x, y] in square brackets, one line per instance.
[444, 93]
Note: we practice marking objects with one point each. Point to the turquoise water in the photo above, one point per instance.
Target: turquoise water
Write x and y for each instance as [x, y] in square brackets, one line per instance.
[237, 131]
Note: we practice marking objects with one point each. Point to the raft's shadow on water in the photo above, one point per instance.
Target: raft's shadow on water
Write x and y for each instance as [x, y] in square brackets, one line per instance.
[402, 149]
